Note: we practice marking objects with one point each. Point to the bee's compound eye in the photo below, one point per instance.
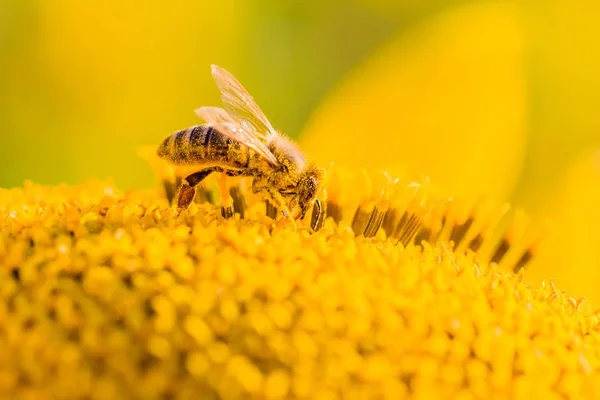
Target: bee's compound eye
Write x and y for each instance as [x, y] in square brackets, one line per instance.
[311, 184]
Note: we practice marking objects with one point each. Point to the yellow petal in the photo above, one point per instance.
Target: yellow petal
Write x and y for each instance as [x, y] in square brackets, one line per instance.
[446, 99]
[571, 252]
[565, 84]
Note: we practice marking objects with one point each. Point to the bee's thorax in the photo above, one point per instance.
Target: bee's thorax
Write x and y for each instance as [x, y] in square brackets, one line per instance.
[287, 152]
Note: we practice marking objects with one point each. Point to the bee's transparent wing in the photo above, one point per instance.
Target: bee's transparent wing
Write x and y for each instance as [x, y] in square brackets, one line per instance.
[222, 121]
[235, 131]
[214, 115]
[240, 105]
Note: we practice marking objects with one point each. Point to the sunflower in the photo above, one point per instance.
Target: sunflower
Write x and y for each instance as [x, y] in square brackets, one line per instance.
[403, 293]
[405, 287]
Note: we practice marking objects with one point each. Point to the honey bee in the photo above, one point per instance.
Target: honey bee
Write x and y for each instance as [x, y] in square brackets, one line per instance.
[238, 140]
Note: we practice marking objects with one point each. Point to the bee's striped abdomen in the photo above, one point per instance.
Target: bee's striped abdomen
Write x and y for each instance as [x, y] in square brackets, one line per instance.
[203, 144]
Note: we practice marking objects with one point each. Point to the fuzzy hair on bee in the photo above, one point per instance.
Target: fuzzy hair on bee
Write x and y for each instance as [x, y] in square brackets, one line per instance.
[238, 140]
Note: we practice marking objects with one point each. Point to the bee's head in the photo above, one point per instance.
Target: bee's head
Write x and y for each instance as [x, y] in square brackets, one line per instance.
[307, 188]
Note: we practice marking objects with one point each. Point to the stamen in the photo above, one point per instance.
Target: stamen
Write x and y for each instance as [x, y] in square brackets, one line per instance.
[410, 229]
[171, 188]
[522, 232]
[271, 210]
[484, 227]
[375, 220]
[443, 232]
[423, 235]
[460, 230]
[416, 228]
[360, 220]
[239, 203]
[523, 260]
[406, 228]
[389, 220]
[389, 200]
[433, 223]
[227, 211]
[407, 213]
[501, 250]
[401, 225]
[317, 216]
[476, 242]
[334, 210]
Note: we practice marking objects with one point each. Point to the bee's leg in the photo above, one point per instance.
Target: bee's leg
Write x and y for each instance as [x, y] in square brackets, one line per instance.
[187, 190]
[288, 215]
[226, 201]
[259, 185]
[236, 195]
[282, 205]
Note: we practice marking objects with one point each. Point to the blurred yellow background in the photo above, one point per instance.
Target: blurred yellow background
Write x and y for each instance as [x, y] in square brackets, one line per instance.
[83, 84]
[486, 97]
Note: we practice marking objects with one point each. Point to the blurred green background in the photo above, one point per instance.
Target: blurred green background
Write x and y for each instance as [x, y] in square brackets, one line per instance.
[496, 97]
